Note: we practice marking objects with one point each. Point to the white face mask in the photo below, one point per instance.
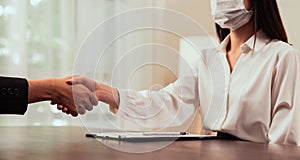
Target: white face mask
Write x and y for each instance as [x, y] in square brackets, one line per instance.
[230, 14]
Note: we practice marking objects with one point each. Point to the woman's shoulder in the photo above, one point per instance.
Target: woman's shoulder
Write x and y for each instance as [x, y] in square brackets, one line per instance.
[283, 47]
[284, 52]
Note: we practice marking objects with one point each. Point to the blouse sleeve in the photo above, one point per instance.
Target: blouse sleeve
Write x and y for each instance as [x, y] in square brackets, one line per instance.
[285, 122]
[170, 106]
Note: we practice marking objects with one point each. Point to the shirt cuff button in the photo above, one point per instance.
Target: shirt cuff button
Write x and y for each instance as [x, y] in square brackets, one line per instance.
[16, 92]
[3, 91]
[10, 91]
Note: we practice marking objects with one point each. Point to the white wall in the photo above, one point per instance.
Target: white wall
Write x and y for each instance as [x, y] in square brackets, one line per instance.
[290, 14]
[199, 10]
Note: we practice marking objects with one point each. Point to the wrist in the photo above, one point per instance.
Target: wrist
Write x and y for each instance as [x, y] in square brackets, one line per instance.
[40, 90]
[107, 95]
[50, 88]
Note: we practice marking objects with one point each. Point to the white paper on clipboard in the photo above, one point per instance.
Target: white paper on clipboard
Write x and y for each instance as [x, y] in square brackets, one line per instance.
[149, 136]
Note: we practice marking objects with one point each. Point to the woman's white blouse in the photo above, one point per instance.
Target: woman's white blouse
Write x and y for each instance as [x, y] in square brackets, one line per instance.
[258, 101]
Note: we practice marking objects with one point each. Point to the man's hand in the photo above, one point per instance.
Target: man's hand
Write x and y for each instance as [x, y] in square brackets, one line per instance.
[76, 99]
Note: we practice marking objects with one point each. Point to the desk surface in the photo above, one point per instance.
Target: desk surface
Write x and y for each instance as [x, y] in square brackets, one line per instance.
[48, 143]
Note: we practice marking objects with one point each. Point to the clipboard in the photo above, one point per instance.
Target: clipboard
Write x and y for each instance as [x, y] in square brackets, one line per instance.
[149, 136]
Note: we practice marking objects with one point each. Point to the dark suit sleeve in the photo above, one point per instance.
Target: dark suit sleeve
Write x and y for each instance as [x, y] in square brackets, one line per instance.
[13, 95]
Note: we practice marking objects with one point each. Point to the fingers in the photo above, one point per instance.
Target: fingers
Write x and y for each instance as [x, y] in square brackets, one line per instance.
[70, 110]
[74, 114]
[66, 110]
[113, 109]
[93, 99]
[89, 107]
[81, 110]
[60, 107]
[63, 108]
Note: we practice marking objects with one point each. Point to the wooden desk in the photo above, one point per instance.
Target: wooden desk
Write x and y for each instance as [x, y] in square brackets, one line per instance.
[54, 143]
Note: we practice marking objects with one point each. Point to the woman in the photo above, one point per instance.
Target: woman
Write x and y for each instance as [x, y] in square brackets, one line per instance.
[16, 93]
[247, 88]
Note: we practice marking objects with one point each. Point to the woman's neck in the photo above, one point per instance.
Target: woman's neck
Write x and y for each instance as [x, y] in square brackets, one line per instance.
[240, 36]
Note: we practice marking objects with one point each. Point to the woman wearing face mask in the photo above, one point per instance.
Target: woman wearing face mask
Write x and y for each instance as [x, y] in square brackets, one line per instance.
[247, 88]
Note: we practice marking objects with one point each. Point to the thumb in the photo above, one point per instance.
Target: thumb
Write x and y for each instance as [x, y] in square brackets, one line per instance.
[90, 84]
[113, 109]
[71, 77]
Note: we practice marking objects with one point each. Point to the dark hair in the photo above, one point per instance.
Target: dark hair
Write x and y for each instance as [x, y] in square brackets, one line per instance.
[266, 17]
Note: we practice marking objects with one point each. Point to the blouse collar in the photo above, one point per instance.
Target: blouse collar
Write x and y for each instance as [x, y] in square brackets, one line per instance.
[261, 40]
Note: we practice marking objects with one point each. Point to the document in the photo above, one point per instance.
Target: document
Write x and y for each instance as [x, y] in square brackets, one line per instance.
[149, 136]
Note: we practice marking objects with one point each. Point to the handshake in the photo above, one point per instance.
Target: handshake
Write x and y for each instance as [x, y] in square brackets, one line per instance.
[73, 95]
